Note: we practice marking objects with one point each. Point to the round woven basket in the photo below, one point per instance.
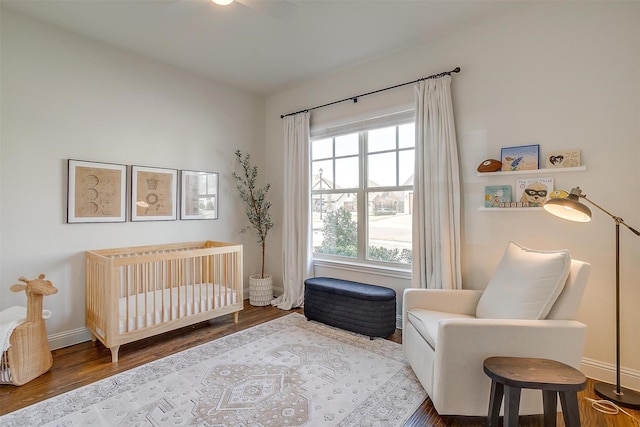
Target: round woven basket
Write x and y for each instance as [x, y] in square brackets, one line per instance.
[260, 290]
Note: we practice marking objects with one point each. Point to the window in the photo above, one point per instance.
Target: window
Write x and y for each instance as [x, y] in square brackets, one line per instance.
[362, 188]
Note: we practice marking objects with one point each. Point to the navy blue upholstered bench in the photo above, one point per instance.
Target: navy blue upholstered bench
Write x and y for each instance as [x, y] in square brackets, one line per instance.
[358, 307]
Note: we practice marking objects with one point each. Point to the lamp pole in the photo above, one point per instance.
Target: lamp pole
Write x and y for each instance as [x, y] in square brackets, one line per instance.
[622, 396]
[571, 209]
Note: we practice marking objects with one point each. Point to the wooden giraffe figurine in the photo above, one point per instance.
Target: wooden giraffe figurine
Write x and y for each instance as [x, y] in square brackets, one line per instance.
[29, 355]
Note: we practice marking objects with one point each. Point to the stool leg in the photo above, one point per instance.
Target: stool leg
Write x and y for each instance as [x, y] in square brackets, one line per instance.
[570, 411]
[495, 401]
[511, 406]
[550, 404]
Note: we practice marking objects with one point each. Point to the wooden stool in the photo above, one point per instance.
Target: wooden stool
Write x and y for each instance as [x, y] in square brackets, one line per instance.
[509, 375]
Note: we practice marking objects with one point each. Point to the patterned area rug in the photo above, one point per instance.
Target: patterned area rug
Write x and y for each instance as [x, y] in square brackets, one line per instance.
[286, 372]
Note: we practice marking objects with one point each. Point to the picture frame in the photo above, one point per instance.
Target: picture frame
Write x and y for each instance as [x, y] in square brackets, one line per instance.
[96, 192]
[523, 157]
[495, 195]
[153, 193]
[534, 191]
[562, 159]
[198, 195]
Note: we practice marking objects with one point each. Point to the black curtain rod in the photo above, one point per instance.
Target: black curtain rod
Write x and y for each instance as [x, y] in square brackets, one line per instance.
[355, 98]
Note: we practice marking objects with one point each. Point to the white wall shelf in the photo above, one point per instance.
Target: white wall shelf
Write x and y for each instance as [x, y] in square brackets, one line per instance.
[482, 208]
[533, 171]
[526, 172]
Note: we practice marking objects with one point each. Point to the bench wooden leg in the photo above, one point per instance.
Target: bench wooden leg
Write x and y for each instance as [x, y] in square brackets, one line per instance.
[495, 402]
[550, 404]
[511, 406]
[570, 411]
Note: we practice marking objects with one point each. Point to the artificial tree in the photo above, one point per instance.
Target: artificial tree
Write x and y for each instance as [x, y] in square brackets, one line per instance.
[257, 208]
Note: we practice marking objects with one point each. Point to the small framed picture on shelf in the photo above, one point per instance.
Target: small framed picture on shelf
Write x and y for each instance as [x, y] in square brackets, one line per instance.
[153, 194]
[533, 191]
[523, 157]
[496, 195]
[199, 193]
[563, 159]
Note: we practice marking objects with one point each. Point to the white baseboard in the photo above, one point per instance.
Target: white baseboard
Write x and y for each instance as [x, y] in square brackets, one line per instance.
[68, 338]
[606, 372]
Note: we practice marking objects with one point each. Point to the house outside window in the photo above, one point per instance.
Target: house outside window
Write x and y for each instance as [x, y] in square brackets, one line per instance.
[362, 191]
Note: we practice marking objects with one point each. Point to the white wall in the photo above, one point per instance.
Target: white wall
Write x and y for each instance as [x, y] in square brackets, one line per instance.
[65, 96]
[563, 75]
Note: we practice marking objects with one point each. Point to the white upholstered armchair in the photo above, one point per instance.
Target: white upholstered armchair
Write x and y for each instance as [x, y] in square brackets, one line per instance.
[527, 310]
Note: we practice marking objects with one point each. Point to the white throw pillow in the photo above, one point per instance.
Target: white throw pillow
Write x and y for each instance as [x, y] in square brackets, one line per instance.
[525, 285]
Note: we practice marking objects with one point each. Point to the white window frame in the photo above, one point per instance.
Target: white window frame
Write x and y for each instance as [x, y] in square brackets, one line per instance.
[361, 263]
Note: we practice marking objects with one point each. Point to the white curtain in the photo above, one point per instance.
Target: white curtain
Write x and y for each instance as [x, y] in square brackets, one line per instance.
[436, 200]
[296, 222]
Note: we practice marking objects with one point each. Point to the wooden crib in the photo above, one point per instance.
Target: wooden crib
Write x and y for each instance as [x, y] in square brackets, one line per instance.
[137, 292]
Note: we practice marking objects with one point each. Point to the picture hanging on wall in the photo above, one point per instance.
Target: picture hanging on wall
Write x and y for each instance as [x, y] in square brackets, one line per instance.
[199, 195]
[153, 193]
[96, 192]
[523, 157]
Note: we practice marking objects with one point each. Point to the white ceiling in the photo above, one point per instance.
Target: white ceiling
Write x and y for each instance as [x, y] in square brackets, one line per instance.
[264, 45]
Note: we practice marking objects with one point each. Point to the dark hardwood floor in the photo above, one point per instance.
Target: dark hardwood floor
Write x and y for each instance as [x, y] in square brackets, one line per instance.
[88, 362]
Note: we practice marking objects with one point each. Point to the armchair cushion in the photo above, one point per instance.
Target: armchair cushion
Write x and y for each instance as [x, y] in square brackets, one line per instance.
[426, 322]
[525, 285]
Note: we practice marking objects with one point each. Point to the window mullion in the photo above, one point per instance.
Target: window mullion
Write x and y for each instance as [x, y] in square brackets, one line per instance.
[362, 199]
[397, 133]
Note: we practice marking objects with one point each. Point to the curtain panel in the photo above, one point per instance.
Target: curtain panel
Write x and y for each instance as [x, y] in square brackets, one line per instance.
[436, 201]
[296, 223]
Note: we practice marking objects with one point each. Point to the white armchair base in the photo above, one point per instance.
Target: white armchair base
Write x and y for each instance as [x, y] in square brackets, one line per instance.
[446, 344]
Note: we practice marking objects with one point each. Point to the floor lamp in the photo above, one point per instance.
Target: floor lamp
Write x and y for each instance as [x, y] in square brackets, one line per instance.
[570, 208]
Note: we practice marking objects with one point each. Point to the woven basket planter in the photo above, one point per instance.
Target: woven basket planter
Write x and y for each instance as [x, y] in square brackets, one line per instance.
[260, 290]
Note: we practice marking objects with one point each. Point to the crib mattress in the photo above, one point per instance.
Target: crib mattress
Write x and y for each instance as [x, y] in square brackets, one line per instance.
[162, 305]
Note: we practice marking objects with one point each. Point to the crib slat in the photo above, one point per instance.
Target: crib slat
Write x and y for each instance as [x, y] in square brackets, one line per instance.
[192, 283]
[126, 294]
[162, 287]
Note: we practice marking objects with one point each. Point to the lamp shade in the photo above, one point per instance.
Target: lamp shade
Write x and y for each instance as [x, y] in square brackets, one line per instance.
[570, 207]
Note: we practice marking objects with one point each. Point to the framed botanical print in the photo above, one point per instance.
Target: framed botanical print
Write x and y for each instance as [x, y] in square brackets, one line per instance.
[199, 195]
[153, 193]
[96, 192]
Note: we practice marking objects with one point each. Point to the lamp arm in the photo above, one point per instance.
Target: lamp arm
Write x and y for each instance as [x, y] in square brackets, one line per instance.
[617, 219]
